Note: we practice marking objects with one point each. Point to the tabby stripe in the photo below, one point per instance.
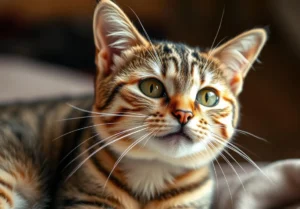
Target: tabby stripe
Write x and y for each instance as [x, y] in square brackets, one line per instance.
[184, 68]
[177, 191]
[7, 197]
[220, 113]
[224, 115]
[195, 54]
[97, 195]
[202, 77]
[111, 97]
[43, 115]
[75, 136]
[234, 81]
[131, 99]
[167, 50]
[71, 140]
[223, 129]
[72, 202]
[164, 68]
[112, 178]
[5, 184]
[193, 68]
[175, 61]
[120, 112]
[73, 125]
[108, 159]
[234, 119]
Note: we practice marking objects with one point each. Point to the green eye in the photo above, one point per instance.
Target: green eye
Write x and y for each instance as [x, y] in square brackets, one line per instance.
[207, 97]
[152, 87]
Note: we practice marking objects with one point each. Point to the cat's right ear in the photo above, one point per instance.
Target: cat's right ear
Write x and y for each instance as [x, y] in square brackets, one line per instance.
[113, 34]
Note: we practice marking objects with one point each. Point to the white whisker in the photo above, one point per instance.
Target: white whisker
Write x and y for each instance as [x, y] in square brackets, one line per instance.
[108, 114]
[158, 58]
[103, 140]
[240, 152]
[210, 152]
[123, 155]
[79, 146]
[232, 167]
[97, 150]
[86, 127]
[250, 134]
[241, 131]
[102, 115]
[216, 36]
[224, 176]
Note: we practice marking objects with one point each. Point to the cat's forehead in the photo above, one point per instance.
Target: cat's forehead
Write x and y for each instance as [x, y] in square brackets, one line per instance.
[181, 50]
[189, 59]
[176, 64]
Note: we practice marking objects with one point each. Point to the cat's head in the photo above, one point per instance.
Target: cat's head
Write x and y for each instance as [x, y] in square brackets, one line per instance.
[163, 100]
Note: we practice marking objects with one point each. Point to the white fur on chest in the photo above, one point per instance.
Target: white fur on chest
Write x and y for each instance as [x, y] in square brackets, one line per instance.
[148, 178]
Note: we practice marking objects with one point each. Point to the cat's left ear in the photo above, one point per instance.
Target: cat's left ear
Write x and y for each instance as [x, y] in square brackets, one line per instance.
[238, 55]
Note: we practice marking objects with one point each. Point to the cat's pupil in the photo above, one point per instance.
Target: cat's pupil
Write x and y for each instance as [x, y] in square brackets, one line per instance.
[151, 88]
[206, 97]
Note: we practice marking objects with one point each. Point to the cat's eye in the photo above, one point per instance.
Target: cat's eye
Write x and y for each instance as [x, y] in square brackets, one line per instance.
[208, 97]
[152, 87]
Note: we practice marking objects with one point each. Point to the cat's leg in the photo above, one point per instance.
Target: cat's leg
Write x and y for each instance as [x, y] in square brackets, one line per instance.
[21, 184]
[9, 197]
[20, 188]
[7, 183]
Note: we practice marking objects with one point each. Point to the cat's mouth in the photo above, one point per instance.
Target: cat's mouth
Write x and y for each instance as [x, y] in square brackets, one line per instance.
[176, 136]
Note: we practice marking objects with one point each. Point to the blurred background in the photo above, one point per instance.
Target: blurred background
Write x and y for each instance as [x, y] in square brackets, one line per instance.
[46, 49]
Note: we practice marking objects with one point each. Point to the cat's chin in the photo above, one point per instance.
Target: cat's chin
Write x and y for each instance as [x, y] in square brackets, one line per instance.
[176, 138]
[176, 145]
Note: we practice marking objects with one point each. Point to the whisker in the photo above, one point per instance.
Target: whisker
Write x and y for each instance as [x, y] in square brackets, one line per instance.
[212, 46]
[98, 113]
[147, 36]
[149, 138]
[241, 131]
[103, 140]
[240, 152]
[79, 146]
[97, 150]
[86, 127]
[250, 134]
[123, 155]
[223, 175]
[234, 160]
[231, 166]
[210, 152]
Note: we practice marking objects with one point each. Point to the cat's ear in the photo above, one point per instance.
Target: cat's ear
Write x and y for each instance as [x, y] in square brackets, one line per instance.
[113, 33]
[238, 55]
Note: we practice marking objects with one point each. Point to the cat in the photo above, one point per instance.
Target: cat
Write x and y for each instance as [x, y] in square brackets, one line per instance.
[160, 114]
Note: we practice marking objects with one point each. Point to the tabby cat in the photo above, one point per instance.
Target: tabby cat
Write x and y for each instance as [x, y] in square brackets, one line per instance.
[161, 113]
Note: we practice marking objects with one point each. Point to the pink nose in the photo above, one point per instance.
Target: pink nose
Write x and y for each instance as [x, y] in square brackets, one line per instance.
[183, 116]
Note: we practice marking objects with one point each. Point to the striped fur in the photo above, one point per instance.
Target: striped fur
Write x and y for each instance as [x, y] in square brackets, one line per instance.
[122, 149]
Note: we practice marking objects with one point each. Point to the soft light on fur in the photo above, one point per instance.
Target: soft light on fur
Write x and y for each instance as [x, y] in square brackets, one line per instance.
[124, 149]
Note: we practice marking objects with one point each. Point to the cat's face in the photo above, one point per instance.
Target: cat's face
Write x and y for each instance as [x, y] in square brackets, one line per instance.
[167, 101]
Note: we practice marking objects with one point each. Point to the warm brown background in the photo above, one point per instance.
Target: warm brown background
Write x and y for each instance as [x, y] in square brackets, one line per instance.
[60, 32]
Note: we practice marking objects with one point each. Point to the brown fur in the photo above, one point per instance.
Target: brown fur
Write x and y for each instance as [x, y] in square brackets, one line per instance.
[121, 150]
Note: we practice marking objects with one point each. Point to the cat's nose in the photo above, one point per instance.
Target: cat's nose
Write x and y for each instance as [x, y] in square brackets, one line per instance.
[183, 116]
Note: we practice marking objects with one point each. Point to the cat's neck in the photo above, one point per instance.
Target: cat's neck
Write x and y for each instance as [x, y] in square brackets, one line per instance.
[149, 178]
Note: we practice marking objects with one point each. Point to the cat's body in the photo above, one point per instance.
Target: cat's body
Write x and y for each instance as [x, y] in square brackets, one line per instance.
[30, 157]
[35, 152]
[160, 115]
